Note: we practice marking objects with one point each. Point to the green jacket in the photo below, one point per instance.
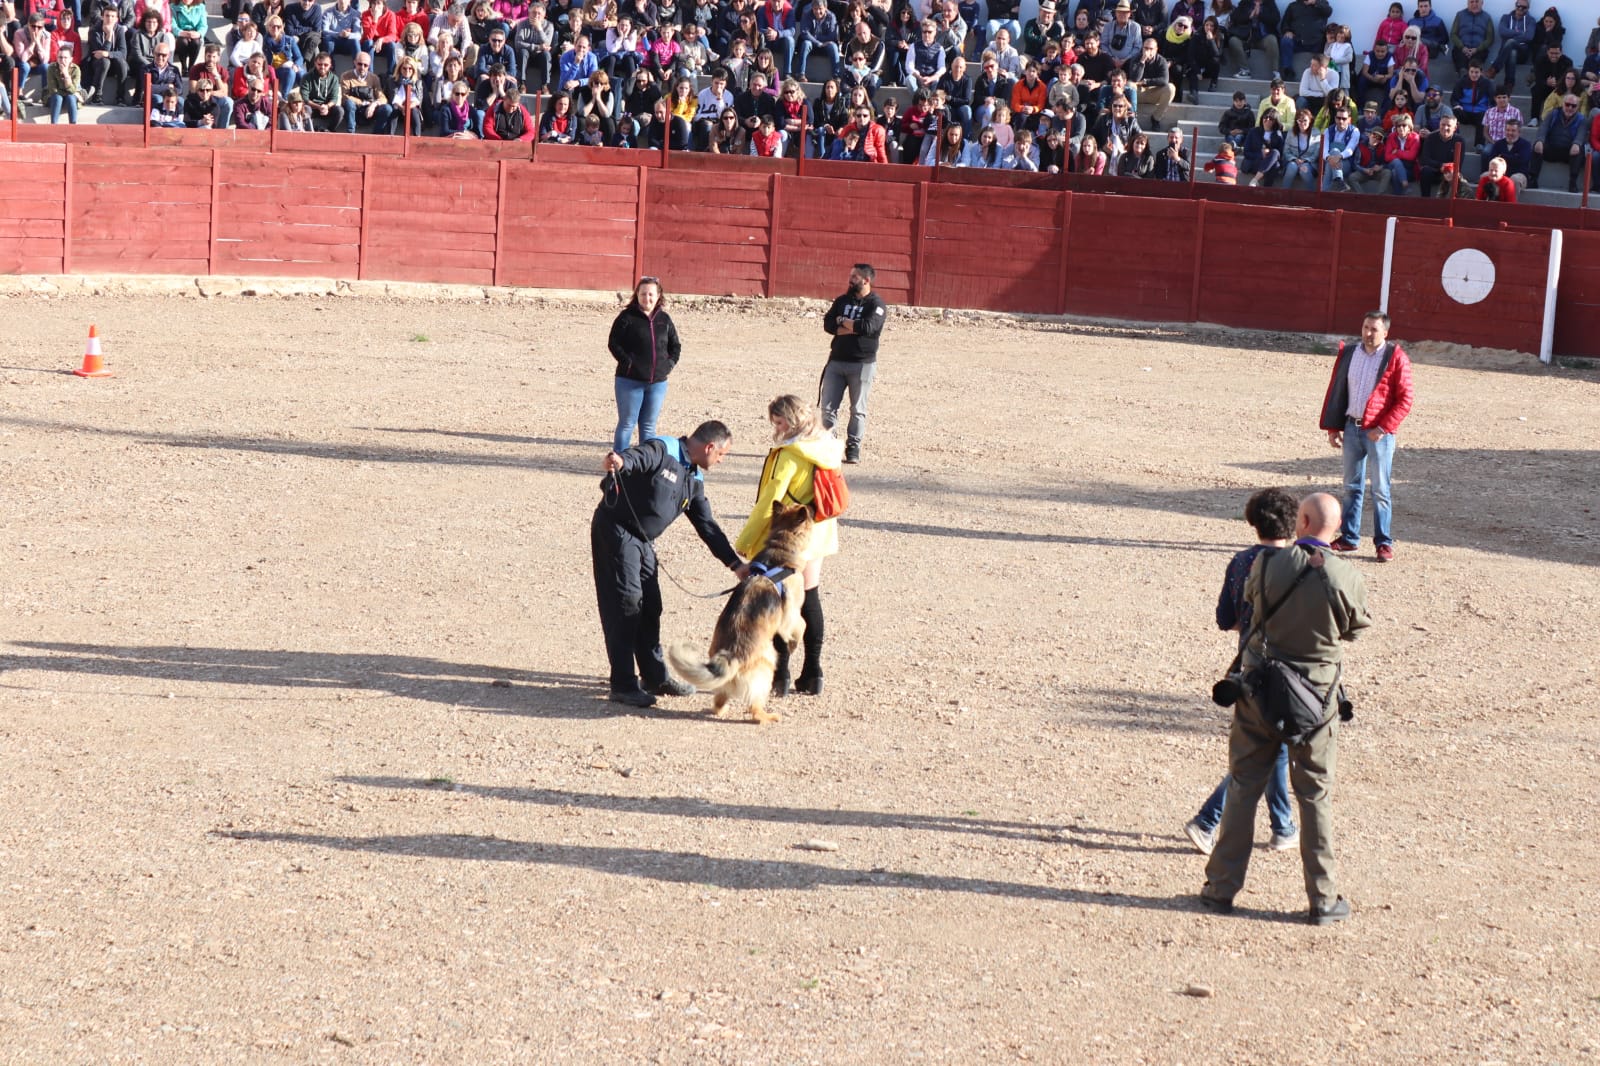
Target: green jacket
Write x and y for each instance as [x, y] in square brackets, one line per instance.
[1327, 608]
[318, 89]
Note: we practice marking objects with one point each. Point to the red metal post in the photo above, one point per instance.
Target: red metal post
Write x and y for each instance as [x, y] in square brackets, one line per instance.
[1455, 180]
[538, 109]
[499, 218]
[1063, 244]
[774, 195]
[919, 248]
[366, 214]
[1333, 266]
[16, 102]
[272, 124]
[216, 211]
[1194, 161]
[1588, 172]
[147, 109]
[66, 217]
[642, 196]
[800, 154]
[405, 140]
[1199, 255]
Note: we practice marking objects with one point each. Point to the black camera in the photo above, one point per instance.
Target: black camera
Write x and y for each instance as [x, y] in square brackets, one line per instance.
[1226, 693]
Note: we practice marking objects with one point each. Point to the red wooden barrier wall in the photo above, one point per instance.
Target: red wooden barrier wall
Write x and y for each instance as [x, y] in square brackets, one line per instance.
[1512, 315]
[212, 202]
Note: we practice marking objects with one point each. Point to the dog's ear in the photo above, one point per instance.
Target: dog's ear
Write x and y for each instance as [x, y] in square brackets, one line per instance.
[777, 508]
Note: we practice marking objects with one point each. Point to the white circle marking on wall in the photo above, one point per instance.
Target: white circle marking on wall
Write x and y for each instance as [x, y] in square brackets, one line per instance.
[1468, 276]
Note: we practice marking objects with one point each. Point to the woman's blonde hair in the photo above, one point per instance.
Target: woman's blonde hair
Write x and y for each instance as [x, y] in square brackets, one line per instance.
[805, 421]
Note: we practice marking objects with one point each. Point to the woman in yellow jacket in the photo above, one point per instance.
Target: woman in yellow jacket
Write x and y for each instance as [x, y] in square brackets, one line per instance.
[801, 445]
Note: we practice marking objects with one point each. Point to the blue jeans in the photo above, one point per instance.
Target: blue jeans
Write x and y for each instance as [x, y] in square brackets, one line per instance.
[802, 55]
[1278, 808]
[638, 404]
[71, 102]
[1402, 177]
[1357, 450]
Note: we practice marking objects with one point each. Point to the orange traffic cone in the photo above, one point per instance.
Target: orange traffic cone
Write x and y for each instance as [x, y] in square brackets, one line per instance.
[93, 365]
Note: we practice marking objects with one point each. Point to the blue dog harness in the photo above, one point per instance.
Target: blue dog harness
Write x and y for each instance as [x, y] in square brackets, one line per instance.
[774, 574]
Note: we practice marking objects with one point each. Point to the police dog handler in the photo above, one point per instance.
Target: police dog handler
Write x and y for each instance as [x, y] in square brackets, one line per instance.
[646, 487]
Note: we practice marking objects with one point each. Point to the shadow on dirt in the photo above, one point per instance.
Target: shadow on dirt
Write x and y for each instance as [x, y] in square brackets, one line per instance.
[692, 868]
[693, 807]
[917, 530]
[493, 689]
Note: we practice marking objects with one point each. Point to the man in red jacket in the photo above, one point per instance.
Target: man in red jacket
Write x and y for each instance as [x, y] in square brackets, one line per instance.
[1368, 397]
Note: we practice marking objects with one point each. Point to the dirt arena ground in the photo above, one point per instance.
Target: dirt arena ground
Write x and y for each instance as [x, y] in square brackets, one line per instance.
[306, 758]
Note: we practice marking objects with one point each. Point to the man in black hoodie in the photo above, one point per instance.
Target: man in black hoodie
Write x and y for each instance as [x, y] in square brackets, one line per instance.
[855, 321]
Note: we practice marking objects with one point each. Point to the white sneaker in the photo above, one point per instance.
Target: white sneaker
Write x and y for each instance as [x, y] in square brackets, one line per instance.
[1202, 839]
[1246, 74]
[1281, 843]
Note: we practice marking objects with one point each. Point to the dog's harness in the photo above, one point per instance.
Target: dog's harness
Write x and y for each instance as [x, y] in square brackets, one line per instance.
[774, 574]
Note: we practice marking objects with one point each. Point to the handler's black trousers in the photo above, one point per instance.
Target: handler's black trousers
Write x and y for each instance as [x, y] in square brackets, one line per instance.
[630, 603]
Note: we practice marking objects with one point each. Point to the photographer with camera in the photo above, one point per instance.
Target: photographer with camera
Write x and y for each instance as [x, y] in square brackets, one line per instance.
[1271, 512]
[1305, 601]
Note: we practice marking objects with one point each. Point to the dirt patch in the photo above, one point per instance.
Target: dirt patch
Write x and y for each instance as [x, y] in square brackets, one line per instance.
[306, 760]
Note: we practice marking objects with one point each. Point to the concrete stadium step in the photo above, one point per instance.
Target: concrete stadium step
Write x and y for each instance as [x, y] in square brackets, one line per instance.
[88, 115]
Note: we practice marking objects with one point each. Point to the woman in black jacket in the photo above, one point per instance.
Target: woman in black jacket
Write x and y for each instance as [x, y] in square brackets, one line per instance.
[644, 342]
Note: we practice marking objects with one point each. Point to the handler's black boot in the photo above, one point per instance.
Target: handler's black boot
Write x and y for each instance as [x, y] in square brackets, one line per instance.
[780, 676]
[810, 680]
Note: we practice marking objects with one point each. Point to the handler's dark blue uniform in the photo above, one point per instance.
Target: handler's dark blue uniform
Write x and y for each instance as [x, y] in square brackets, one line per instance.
[656, 484]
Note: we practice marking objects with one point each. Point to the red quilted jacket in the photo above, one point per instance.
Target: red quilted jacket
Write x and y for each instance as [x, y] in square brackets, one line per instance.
[1391, 397]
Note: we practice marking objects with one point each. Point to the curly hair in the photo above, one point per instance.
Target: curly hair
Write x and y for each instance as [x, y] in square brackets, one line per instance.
[1272, 512]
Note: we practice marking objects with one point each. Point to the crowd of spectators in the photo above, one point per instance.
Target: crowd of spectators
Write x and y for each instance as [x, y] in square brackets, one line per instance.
[1087, 93]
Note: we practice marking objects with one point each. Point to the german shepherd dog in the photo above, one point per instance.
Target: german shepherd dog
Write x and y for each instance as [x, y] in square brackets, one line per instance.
[742, 657]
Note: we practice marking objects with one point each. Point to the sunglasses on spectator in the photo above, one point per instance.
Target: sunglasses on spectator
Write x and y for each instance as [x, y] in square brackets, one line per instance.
[459, 94]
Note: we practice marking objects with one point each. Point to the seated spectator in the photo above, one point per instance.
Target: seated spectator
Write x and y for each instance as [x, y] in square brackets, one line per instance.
[534, 42]
[200, 110]
[340, 30]
[380, 34]
[408, 88]
[1252, 26]
[488, 94]
[509, 120]
[1549, 68]
[1136, 161]
[1090, 159]
[1023, 153]
[1007, 59]
[767, 141]
[790, 116]
[729, 136]
[1401, 150]
[873, 141]
[1438, 152]
[639, 104]
[1277, 100]
[1516, 150]
[1303, 28]
[1571, 84]
[1237, 121]
[1370, 119]
[1371, 164]
[190, 24]
[1339, 147]
[817, 29]
[1412, 80]
[365, 103]
[983, 152]
[1341, 54]
[1172, 162]
[1118, 87]
[244, 41]
[712, 101]
[496, 51]
[1223, 166]
[324, 96]
[1471, 34]
[414, 43]
[1393, 27]
[302, 20]
[1335, 102]
[1495, 120]
[1435, 35]
[1470, 99]
[168, 113]
[1205, 56]
[1430, 112]
[1563, 138]
[1117, 128]
[1046, 27]
[1152, 83]
[1316, 83]
[455, 118]
[283, 55]
[106, 69]
[664, 127]
[558, 125]
[1495, 184]
[1263, 156]
[754, 102]
[1028, 98]
[1399, 107]
[253, 110]
[143, 44]
[1003, 15]
[1515, 33]
[598, 99]
[1055, 154]
[1412, 50]
[924, 60]
[1372, 76]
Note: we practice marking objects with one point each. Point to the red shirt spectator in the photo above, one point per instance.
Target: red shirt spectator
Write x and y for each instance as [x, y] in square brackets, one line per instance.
[508, 121]
[873, 141]
[412, 12]
[379, 25]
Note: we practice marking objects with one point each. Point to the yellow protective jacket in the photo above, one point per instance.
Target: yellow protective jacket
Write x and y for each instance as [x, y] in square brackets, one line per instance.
[786, 476]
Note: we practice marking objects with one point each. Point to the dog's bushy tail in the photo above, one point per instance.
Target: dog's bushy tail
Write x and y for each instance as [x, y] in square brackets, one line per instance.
[691, 664]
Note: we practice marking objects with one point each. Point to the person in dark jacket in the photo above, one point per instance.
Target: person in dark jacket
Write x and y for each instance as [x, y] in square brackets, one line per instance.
[645, 489]
[1438, 151]
[644, 342]
[855, 321]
